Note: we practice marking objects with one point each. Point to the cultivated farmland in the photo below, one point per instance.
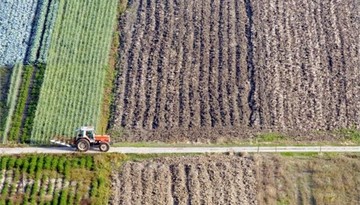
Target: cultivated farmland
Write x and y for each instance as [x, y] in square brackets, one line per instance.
[256, 179]
[190, 180]
[16, 18]
[200, 70]
[46, 180]
[72, 90]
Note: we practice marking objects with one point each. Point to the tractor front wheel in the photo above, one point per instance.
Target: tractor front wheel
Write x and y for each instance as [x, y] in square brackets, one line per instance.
[104, 147]
[83, 145]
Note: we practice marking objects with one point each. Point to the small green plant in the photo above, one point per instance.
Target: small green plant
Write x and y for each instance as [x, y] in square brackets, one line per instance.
[47, 164]
[40, 164]
[67, 169]
[55, 200]
[32, 167]
[4, 161]
[54, 163]
[283, 201]
[89, 162]
[34, 191]
[82, 162]
[11, 163]
[60, 166]
[19, 162]
[25, 165]
[63, 196]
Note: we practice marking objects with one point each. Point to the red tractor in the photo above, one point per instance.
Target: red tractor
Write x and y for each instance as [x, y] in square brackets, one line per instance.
[86, 138]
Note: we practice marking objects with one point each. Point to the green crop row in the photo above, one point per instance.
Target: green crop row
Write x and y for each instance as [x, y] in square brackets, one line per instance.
[14, 132]
[33, 101]
[40, 169]
[12, 98]
[5, 74]
[73, 87]
[21, 102]
[45, 18]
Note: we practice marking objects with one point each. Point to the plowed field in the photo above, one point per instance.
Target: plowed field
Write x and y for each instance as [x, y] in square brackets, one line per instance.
[208, 69]
[191, 180]
[256, 179]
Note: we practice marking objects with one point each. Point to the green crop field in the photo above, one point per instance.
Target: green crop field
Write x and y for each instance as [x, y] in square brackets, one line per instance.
[54, 179]
[72, 91]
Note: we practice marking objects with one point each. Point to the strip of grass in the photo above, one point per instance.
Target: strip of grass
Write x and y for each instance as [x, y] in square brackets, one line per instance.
[324, 155]
[351, 134]
[348, 137]
[111, 73]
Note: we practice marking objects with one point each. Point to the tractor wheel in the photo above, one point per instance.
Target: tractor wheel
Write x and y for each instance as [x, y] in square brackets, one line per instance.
[104, 147]
[83, 145]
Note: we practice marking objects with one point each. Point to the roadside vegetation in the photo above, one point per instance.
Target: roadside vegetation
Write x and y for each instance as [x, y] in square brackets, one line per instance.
[347, 137]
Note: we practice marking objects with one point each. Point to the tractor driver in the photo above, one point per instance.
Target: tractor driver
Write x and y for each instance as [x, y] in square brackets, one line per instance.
[90, 135]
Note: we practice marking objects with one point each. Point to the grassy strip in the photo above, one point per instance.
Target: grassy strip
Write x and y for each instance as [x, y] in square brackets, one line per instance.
[111, 73]
[232, 144]
[347, 137]
[12, 98]
[351, 134]
[101, 185]
[14, 133]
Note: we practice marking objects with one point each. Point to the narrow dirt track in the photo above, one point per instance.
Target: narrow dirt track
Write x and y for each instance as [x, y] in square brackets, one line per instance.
[159, 150]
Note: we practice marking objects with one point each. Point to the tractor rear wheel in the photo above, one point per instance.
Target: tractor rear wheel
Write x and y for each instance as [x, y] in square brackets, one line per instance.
[83, 145]
[104, 147]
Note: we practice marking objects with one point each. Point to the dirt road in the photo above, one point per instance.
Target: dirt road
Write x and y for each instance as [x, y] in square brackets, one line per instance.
[152, 150]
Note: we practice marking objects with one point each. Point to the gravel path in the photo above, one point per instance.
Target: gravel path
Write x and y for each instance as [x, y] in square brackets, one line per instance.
[150, 150]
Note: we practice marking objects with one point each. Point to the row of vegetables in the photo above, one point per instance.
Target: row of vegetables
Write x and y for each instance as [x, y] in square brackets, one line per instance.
[39, 174]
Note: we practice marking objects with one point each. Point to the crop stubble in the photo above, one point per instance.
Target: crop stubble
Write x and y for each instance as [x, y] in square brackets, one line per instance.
[199, 70]
[191, 180]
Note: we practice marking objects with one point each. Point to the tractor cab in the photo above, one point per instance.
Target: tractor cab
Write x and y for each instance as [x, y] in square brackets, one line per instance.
[86, 138]
[86, 132]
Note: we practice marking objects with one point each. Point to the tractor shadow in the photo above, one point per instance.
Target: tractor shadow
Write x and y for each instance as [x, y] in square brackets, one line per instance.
[70, 149]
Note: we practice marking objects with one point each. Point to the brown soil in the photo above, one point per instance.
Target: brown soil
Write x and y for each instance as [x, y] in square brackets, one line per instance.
[256, 179]
[190, 180]
[199, 70]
